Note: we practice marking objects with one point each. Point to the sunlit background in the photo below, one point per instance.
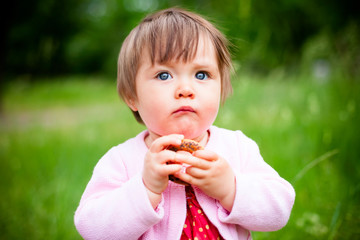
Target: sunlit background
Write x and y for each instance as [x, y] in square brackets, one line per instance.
[296, 93]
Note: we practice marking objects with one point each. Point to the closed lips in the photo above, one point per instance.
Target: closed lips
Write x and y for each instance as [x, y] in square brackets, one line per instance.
[185, 109]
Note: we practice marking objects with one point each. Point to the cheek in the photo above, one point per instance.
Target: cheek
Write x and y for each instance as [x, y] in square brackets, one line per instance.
[212, 97]
[148, 106]
[211, 111]
[211, 104]
[145, 98]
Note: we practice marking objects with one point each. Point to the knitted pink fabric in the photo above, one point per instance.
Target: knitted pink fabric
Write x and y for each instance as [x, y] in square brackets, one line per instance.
[115, 204]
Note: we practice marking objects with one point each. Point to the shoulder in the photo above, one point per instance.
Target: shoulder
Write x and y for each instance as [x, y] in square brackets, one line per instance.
[135, 144]
[232, 144]
[229, 137]
[125, 153]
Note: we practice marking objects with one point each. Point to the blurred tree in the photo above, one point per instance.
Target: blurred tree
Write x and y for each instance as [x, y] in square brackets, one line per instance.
[276, 32]
[39, 31]
[84, 36]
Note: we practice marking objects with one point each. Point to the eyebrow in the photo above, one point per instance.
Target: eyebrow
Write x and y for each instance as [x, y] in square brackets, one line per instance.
[205, 64]
[199, 64]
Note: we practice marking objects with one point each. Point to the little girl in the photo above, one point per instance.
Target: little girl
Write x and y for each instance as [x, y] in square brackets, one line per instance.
[173, 73]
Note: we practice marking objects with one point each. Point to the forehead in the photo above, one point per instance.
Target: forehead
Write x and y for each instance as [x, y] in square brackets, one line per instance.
[188, 50]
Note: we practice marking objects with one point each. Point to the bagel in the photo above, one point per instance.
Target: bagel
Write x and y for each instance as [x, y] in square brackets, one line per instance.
[187, 145]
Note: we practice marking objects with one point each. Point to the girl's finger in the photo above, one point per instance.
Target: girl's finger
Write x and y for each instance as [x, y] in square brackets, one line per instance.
[163, 142]
[193, 161]
[166, 156]
[207, 155]
[170, 169]
[196, 172]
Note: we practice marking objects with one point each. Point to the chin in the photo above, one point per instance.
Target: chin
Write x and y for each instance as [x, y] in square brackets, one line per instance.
[191, 129]
[192, 133]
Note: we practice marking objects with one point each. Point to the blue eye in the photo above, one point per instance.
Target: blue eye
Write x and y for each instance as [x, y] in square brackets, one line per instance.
[201, 75]
[164, 76]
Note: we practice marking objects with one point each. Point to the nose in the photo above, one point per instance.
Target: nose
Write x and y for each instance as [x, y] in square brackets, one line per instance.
[184, 90]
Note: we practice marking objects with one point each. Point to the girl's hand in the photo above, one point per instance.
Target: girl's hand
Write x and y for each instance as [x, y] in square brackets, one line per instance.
[212, 174]
[156, 172]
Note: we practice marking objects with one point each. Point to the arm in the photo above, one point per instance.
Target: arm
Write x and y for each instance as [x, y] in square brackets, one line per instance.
[249, 192]
[263, 199]
[113, 206]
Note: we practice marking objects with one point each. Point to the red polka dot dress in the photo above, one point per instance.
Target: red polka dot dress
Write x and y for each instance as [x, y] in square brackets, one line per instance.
[197, 226]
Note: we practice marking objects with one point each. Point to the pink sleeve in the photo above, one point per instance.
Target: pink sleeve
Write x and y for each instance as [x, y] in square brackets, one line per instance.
[114, 207]
[263, 200]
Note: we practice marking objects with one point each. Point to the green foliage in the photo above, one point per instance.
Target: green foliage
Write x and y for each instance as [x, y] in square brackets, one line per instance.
[49, 37]
[53, 132]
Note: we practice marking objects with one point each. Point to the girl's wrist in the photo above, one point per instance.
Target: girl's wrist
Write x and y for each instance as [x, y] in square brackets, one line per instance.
[228, 201]
[155, 198]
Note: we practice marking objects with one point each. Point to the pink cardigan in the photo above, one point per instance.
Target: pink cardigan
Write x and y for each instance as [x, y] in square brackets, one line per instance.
[115, 203]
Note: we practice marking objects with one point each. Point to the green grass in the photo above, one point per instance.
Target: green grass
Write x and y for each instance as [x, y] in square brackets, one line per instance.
[53, 132]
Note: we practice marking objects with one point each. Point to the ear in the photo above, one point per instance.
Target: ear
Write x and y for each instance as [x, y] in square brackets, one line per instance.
[131, 104]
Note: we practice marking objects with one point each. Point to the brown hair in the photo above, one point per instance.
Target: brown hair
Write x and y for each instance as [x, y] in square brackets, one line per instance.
[170, 34]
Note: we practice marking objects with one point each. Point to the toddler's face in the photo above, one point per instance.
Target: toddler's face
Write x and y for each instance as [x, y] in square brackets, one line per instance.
[179, 97]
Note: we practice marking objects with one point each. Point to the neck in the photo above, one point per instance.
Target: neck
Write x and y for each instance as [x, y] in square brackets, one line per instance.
[202, 139]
